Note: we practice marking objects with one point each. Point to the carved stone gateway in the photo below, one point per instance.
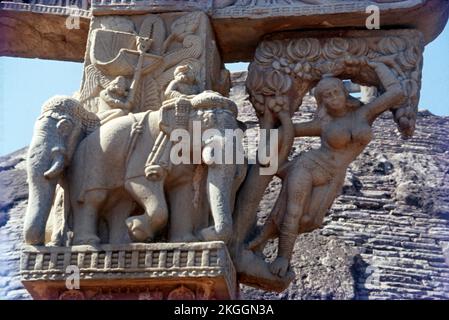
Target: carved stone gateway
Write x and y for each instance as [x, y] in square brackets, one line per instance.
[109, 198]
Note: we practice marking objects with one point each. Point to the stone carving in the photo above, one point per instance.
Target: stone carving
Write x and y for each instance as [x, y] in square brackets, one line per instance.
[315, 178]
[109, 6]
[227, 18]
[204, 268]
[164, 45]
[101, 163]
[283, 71]
[62, 125]
[129, 64]
[107, 173]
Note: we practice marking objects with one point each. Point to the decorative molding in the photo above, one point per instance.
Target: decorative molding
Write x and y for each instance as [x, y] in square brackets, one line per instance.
[303, 9]
[291, 63]
[45, 7]
[254, 10]
[154, 6]
[153, 263]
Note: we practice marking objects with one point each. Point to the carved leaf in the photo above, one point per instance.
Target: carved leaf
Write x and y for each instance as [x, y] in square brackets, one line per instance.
[153, 27]
[186, 24]
[304, 49]
[391, 45]
[277, 83]
[358, 47]
[94, 81]
[149, 96]
[255, 80]
[268, 51]
[336, 48]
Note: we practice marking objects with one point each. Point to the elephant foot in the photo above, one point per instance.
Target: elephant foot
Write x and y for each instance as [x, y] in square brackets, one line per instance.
[211, 234]
[91, 240]
[138, 229]
[184, 238]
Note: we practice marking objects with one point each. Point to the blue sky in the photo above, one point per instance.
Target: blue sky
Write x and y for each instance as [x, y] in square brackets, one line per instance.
[26, 83]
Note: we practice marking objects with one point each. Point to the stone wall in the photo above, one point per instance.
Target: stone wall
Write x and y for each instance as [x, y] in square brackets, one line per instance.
[386, 237]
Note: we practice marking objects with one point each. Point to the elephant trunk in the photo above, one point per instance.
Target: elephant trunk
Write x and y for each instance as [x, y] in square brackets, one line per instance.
[42, 185]
[44, 166]
[39, 205]
[220, 181]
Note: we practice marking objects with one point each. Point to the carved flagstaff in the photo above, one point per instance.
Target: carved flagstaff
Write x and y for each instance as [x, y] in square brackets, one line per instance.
[121, 189]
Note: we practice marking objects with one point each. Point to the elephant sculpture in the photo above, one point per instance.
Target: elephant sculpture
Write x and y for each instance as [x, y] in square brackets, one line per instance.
[107, 176]
[63, 123]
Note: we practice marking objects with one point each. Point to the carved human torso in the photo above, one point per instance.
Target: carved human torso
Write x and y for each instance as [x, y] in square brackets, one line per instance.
[344, 138]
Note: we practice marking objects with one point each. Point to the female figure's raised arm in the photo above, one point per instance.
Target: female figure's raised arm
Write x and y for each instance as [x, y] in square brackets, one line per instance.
[393, 96]
[308, 129]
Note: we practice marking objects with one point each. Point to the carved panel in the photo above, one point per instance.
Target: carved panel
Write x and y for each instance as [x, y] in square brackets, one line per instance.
[113, 50]
[159, 271]
[285, 69]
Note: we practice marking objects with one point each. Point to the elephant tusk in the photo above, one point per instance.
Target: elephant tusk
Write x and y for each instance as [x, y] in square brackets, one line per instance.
[56, 168]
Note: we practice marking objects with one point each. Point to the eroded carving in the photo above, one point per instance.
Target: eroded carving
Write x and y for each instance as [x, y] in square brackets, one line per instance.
[101, 162]
[283, 71]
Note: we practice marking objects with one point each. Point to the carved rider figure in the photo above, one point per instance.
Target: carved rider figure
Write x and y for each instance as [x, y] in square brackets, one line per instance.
[178, 92]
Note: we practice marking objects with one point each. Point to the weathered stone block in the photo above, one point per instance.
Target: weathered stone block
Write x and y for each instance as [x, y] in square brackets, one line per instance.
[137, 271]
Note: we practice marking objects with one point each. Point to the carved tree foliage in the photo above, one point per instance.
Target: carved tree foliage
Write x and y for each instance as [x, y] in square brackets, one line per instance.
[284, 70]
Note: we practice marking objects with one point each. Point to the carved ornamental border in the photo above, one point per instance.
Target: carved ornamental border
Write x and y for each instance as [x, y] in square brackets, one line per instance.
[85, 9]
[252, 10]
[302, 9]
[43, 6]
[288, 65]
[136, 261]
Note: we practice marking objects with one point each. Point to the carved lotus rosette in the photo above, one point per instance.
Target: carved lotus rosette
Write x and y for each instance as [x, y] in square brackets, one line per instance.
[285, 68]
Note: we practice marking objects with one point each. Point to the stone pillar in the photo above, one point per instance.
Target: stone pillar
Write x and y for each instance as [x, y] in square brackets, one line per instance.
[130, 62]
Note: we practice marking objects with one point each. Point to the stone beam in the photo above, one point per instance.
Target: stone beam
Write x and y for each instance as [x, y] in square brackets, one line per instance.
[39, 30]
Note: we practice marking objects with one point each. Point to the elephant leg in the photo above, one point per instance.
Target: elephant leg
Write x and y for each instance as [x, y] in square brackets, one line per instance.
[181, 214]
[85, 218]
[56, 224]
[220, 180]
[116, 219]
[150, 195]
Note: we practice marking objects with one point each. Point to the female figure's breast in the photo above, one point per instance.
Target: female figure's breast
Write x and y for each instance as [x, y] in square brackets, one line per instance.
[337, 137]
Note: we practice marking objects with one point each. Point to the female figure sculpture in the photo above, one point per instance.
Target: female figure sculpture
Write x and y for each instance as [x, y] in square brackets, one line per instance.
[313, 180]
